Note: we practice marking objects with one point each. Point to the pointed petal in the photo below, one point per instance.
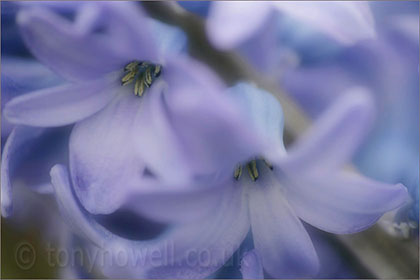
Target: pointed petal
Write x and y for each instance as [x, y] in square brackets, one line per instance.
[281, 240]
[156, 137]
[20, 76]
[103, 163]
[265, 116]
[231, 23]
[61, 105]
[77, 55]
[335, 136]
[178, 250]
[251, 266]
[342, 203]
[345, 21]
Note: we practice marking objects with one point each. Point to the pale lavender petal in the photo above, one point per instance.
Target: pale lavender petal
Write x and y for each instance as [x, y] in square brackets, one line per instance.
[231, 23]
[345, 21]
[210, 126]
[281, 240]
[12, 153]
[334, 137]
[19, 76]
[77, 55]
[62, 105]
[103, 162]
[342, 203]
[265, 117]
[178, 250]
[251, 266]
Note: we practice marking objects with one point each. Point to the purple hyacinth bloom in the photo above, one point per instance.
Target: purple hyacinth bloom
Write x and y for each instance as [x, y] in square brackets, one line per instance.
[182, 126]
[307, 183]
[233, 23]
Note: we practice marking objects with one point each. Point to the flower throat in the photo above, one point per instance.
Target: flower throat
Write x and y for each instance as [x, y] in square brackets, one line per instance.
[142, 74]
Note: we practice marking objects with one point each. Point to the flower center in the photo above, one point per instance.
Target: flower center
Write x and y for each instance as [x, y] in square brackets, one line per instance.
[252, 169]
[142, 73]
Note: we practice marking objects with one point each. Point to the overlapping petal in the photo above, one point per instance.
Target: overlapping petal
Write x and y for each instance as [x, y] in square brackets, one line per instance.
[16, 141]
[197, 120]
[281, 240]
[27, 157]
[103, 161]
[181, 250]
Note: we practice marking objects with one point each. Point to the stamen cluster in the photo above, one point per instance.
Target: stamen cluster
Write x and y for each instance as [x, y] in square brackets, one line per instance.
[143, 73]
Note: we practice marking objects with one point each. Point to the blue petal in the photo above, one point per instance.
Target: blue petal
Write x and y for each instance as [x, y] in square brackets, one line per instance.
[103, 162]
[264, 117]
[62, 105]
[342, 203]
[20, 76]
[281, 240]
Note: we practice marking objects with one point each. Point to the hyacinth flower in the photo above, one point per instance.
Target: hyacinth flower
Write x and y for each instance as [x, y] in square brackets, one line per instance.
[260, 29]
[132, 99]
[307, 183]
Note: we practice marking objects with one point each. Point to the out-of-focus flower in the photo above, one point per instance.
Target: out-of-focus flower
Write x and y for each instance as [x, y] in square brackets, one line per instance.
[388, 66]
[231, 23]
[262, 30]
[305, 184]
[118, 135]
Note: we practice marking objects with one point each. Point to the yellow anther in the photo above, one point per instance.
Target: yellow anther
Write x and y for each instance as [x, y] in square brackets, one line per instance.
[252, 170]
[238, 172]
[157, 70]
[139, 87]
[129, 77]
[148, 77]
[131, 66]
